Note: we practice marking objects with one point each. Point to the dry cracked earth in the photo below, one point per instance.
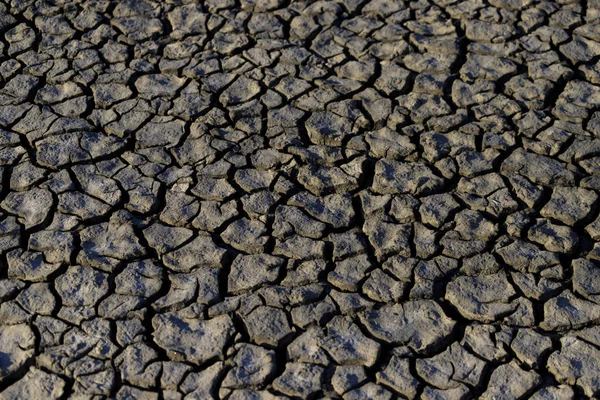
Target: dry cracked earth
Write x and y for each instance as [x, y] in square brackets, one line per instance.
[273, 199]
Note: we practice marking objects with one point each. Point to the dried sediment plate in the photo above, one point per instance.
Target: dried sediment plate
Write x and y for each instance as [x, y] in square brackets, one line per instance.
[271, 199]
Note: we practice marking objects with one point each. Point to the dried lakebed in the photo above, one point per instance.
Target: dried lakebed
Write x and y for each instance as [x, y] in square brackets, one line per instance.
[272, 199]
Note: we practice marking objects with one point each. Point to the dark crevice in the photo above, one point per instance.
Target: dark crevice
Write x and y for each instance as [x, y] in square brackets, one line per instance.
[238, 137]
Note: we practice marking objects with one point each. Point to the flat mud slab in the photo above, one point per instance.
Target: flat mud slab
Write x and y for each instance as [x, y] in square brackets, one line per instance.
[274, 199]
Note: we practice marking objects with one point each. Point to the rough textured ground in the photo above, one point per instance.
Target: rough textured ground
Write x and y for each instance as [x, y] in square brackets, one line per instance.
[265, 199]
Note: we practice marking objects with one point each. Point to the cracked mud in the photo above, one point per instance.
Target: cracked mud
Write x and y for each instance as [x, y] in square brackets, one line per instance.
[271, 199]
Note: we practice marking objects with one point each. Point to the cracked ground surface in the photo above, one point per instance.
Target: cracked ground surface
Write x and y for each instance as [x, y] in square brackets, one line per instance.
[265, 199]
